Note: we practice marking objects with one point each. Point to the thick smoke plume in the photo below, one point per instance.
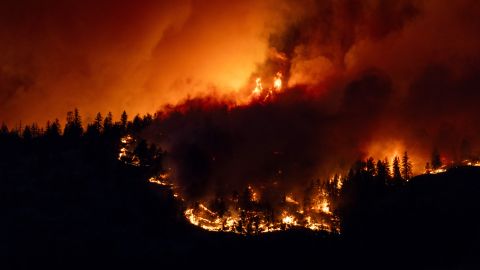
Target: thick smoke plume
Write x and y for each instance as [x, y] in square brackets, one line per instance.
[360, 78]
[365, 78]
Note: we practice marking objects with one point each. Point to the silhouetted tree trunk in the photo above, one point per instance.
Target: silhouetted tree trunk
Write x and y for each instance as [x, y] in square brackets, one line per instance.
[406, 167]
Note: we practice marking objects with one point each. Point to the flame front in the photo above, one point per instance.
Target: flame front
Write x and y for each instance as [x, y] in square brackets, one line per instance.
[277, 82]
[259, 93]
[256, 219]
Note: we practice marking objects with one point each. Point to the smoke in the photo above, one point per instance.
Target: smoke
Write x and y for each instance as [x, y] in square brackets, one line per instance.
[365, 78]
[362, 78]
[115, 55]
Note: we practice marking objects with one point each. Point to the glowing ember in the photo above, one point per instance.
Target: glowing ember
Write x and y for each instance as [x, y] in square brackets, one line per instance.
[290, 200]
[158, 181]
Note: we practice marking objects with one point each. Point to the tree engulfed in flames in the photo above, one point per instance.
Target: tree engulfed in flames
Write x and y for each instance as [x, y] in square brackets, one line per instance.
[252, 212]
[247, 214]
[259, 93]
[251, 217]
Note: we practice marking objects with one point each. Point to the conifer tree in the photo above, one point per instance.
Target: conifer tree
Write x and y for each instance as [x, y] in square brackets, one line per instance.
[406, 167]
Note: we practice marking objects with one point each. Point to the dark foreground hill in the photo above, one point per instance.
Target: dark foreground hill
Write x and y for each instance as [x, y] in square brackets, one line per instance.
[75, 205]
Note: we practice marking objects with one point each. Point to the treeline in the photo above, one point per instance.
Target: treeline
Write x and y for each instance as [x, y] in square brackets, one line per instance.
[368, 184]
[66, 192]
[74, 127]
[101, 136]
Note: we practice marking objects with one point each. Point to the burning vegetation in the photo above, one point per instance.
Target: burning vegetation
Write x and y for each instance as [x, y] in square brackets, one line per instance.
[269, 207]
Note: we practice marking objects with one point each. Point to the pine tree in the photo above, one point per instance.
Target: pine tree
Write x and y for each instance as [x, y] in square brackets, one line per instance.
[4, 130]
[98, 122]
[27, 133]
[397, 176]
[108, 122]
[406, 167]
[124, 120]
[386, 164]
[382, 173]
[53, 129]
[371, 167]
[137, 123]
[77, 120]
[36, 130]
[73, 127]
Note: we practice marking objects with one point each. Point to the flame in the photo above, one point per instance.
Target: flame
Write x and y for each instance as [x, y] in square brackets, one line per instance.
[257, 91]
[246, 221]
[277, 82]
[289, 220]
[242, 221]
[159, 181]
[127, 144]
[290, 199]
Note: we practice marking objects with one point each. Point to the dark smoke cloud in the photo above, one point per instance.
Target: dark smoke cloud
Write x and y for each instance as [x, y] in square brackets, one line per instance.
[365, 78]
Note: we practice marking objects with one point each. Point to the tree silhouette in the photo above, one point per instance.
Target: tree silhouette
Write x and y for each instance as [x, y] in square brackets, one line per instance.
[124, 120]
[371, 167]
[383, 172]
[428, 169]
[73, 127]
[406, 167]
[95, 128]
[397, 176]
[141, 151]
[436, 160]
[27, 133]
[386, 164]
[4, 129]
[53, 129]
[108, 123]
[246, 198]
[35, 130]
[98, 122]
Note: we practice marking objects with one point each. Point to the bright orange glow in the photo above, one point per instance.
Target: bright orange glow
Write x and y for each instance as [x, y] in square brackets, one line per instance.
[257, 91]
[277, 82]
[290, 199]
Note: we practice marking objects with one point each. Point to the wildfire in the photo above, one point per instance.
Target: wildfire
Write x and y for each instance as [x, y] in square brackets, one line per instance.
[127, 144]
[256, 219]
[289, 220]
[436, 171]
[159, 181]
[471, 163]
[277, 82]
[259, 93]
[290, 199]
[246, 214]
